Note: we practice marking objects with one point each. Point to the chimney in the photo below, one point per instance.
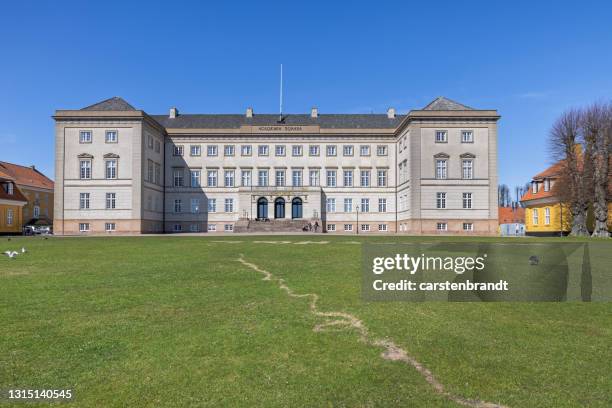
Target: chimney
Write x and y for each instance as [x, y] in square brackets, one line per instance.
[33, 167]
[391, 113]
[173, 113]
[249, 112]
[314, 112]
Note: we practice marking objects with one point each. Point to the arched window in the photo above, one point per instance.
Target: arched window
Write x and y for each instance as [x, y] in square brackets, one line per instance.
[296, 208]
[262, 208]
[279, 208]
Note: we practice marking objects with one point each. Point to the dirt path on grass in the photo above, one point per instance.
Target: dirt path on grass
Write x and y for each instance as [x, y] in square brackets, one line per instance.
[391, 351]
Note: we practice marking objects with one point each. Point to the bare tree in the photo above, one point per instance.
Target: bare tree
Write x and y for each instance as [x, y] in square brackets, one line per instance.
[572, 186]
[503, 195]
[597, 127]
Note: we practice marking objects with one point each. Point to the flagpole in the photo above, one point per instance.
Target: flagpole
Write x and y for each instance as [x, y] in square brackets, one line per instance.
[280, 116]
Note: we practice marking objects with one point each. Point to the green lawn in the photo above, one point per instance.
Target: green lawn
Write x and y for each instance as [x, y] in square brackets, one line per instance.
[178, 321]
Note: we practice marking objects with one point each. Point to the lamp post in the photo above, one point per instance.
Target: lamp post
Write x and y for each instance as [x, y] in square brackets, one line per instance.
[357, 227]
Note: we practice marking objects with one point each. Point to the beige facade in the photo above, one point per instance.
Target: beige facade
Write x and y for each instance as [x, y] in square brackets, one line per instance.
[431, 171]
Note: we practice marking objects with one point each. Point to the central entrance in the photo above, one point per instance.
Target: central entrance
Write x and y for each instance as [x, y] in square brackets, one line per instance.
[279, 208]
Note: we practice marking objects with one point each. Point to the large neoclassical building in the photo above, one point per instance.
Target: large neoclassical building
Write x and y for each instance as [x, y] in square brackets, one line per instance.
[121, 170]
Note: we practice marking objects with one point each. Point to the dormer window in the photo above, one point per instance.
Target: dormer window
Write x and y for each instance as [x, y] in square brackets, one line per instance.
[9, 188]
[546, 184]
[534, 187]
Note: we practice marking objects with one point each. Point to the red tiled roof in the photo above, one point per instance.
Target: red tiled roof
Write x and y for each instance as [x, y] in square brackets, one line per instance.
[509, 215]
[16, 196]
[26, 176]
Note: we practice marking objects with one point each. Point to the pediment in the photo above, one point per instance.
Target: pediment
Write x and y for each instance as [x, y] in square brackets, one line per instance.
[111, 156]
[85, 156]
[441, 155]
[467, 156]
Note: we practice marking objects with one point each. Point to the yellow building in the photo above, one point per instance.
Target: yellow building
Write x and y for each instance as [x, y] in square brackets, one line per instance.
[11, 204]
[545, 214]
[37, 190]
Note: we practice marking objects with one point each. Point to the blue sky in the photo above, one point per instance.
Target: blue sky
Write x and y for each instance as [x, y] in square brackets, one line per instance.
[529, 60]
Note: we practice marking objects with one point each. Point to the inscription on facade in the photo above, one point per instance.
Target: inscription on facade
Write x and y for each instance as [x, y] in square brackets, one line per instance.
[279, 129]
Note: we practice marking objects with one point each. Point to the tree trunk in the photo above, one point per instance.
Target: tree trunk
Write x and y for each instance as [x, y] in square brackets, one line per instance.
[600, 205]
[579, 220]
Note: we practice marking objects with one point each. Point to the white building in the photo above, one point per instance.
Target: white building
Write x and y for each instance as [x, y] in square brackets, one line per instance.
[121, 170]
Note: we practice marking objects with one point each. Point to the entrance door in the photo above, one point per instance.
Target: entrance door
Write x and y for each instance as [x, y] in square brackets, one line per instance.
[296, 208]
[262, 208]
[279, 208]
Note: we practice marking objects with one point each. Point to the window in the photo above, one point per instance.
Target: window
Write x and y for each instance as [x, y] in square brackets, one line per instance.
[365, 205]
[546, 184]
[348, 178]
[85, 166]
[109, 227]
[195, 206]
[347, 150]
[212, 227]
[296, 150]
[547, 216]
[111, 169]
[36, 211]
[150, 141]
[84, 201]
[10, 189]
[178, 206]
[331, 227]
[534, 187]
[212, 205]
[467, 167]
[296, 178]
[314, 177]
[111, 136]
[313, 150]
[468, 226]
[441, 168]
[149, 175]
[195, 150]
[211, 150]
[279, 150]
[535, 216]
[157, 174]
[382, 178]
[111, 201]
[246, 150]
[177, 176]
[331, 178]
[177, 227]
[365, 178]
[195, 178]
[211, 177]
[157, 146]
[382, 205]
[194, 227]
[382, 227]
[348, 227]
[262, 178]
[348, 205]
[262, 150]
[84, 227]
[246, 178]
[229, 205]
[467, 200]
[280, 177]
[178, 150]
[442, 226]
[229, 178]
[228, 150]
[441, 136]
[331, 150]
[364, 150]
[330, 204]
[9, 216]
[381, 150]
[85, 136]
[365, 227]
[467, 136]
[228, 227]
[440, 200]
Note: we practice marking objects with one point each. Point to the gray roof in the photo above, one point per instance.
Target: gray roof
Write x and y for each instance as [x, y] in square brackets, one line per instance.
[234, 121]
[111, 104]
[444, 104]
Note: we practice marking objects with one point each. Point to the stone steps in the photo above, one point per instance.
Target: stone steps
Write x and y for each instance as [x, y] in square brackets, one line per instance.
[273, 225]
